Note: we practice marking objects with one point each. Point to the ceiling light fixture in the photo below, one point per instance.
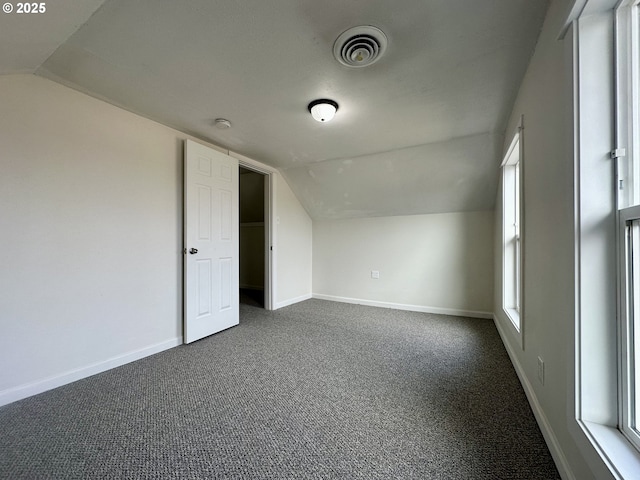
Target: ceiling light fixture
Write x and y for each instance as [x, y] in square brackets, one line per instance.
[323, 110]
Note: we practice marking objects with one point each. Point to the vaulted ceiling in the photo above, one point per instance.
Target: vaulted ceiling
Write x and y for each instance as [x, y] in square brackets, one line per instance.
[419, 131]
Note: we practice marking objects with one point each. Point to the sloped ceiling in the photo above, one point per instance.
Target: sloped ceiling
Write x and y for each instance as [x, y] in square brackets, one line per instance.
[420, 131]
[27, 40]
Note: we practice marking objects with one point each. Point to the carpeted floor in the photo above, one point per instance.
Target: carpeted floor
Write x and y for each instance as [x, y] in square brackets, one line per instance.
[317, 390]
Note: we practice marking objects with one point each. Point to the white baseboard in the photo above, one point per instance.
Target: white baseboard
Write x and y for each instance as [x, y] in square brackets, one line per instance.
[402, 306]
[545, 427]
[23, 391]
[291, 301]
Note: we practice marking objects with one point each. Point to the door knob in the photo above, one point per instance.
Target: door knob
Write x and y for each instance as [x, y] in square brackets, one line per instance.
[193, 250]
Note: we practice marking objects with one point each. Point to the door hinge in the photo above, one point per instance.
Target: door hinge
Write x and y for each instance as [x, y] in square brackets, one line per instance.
[618, 153]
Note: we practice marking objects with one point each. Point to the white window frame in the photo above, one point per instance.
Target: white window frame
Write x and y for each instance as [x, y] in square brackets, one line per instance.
[629, 269]
[627, 95]
[512, 230]
[626, 155]
[593, 26]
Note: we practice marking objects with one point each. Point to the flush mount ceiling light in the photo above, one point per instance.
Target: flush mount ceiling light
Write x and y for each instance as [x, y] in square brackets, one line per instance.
[323, 110]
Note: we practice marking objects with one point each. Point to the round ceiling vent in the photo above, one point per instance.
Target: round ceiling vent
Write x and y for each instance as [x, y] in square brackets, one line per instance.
[360, 46]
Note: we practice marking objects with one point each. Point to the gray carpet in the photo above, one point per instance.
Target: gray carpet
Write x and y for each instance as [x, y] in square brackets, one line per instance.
[317, 390]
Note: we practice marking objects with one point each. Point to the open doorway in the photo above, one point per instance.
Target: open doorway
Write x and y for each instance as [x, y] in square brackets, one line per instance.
[254, 236]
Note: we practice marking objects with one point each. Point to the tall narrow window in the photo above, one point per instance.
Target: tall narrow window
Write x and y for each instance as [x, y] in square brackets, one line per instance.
[511, 232]
[636, 154]
[629, 221]
[627, 156]
[607, 211]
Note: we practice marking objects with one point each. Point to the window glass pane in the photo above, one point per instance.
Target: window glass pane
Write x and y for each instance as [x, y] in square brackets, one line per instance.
[633, 330]
[634, 143]
[635, 284]
[518, 257]
[512, 249]
[635, 388]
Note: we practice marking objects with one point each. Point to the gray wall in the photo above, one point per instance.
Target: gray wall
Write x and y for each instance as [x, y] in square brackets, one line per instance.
[436, 263]
[91, 244]
[545, 102]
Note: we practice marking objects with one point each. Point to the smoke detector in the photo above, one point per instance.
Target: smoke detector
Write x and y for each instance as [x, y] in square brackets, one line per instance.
[222, 123]
[360, 46]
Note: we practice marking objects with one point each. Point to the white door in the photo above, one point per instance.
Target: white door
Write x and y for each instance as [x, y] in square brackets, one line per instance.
[211, 245]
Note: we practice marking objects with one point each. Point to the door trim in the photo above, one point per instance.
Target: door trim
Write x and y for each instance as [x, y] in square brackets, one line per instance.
[270, 224]
[268, 232]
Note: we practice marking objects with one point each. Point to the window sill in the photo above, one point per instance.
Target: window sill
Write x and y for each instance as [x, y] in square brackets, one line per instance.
[514, 316]
[505, 318]
[622, 459]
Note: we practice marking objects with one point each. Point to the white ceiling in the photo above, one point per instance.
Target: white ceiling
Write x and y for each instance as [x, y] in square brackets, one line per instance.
[27, 40]
[417, 132]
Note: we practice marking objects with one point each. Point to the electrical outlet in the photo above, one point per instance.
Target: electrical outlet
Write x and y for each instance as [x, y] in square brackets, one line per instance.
[375, 274]
[541, 370]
